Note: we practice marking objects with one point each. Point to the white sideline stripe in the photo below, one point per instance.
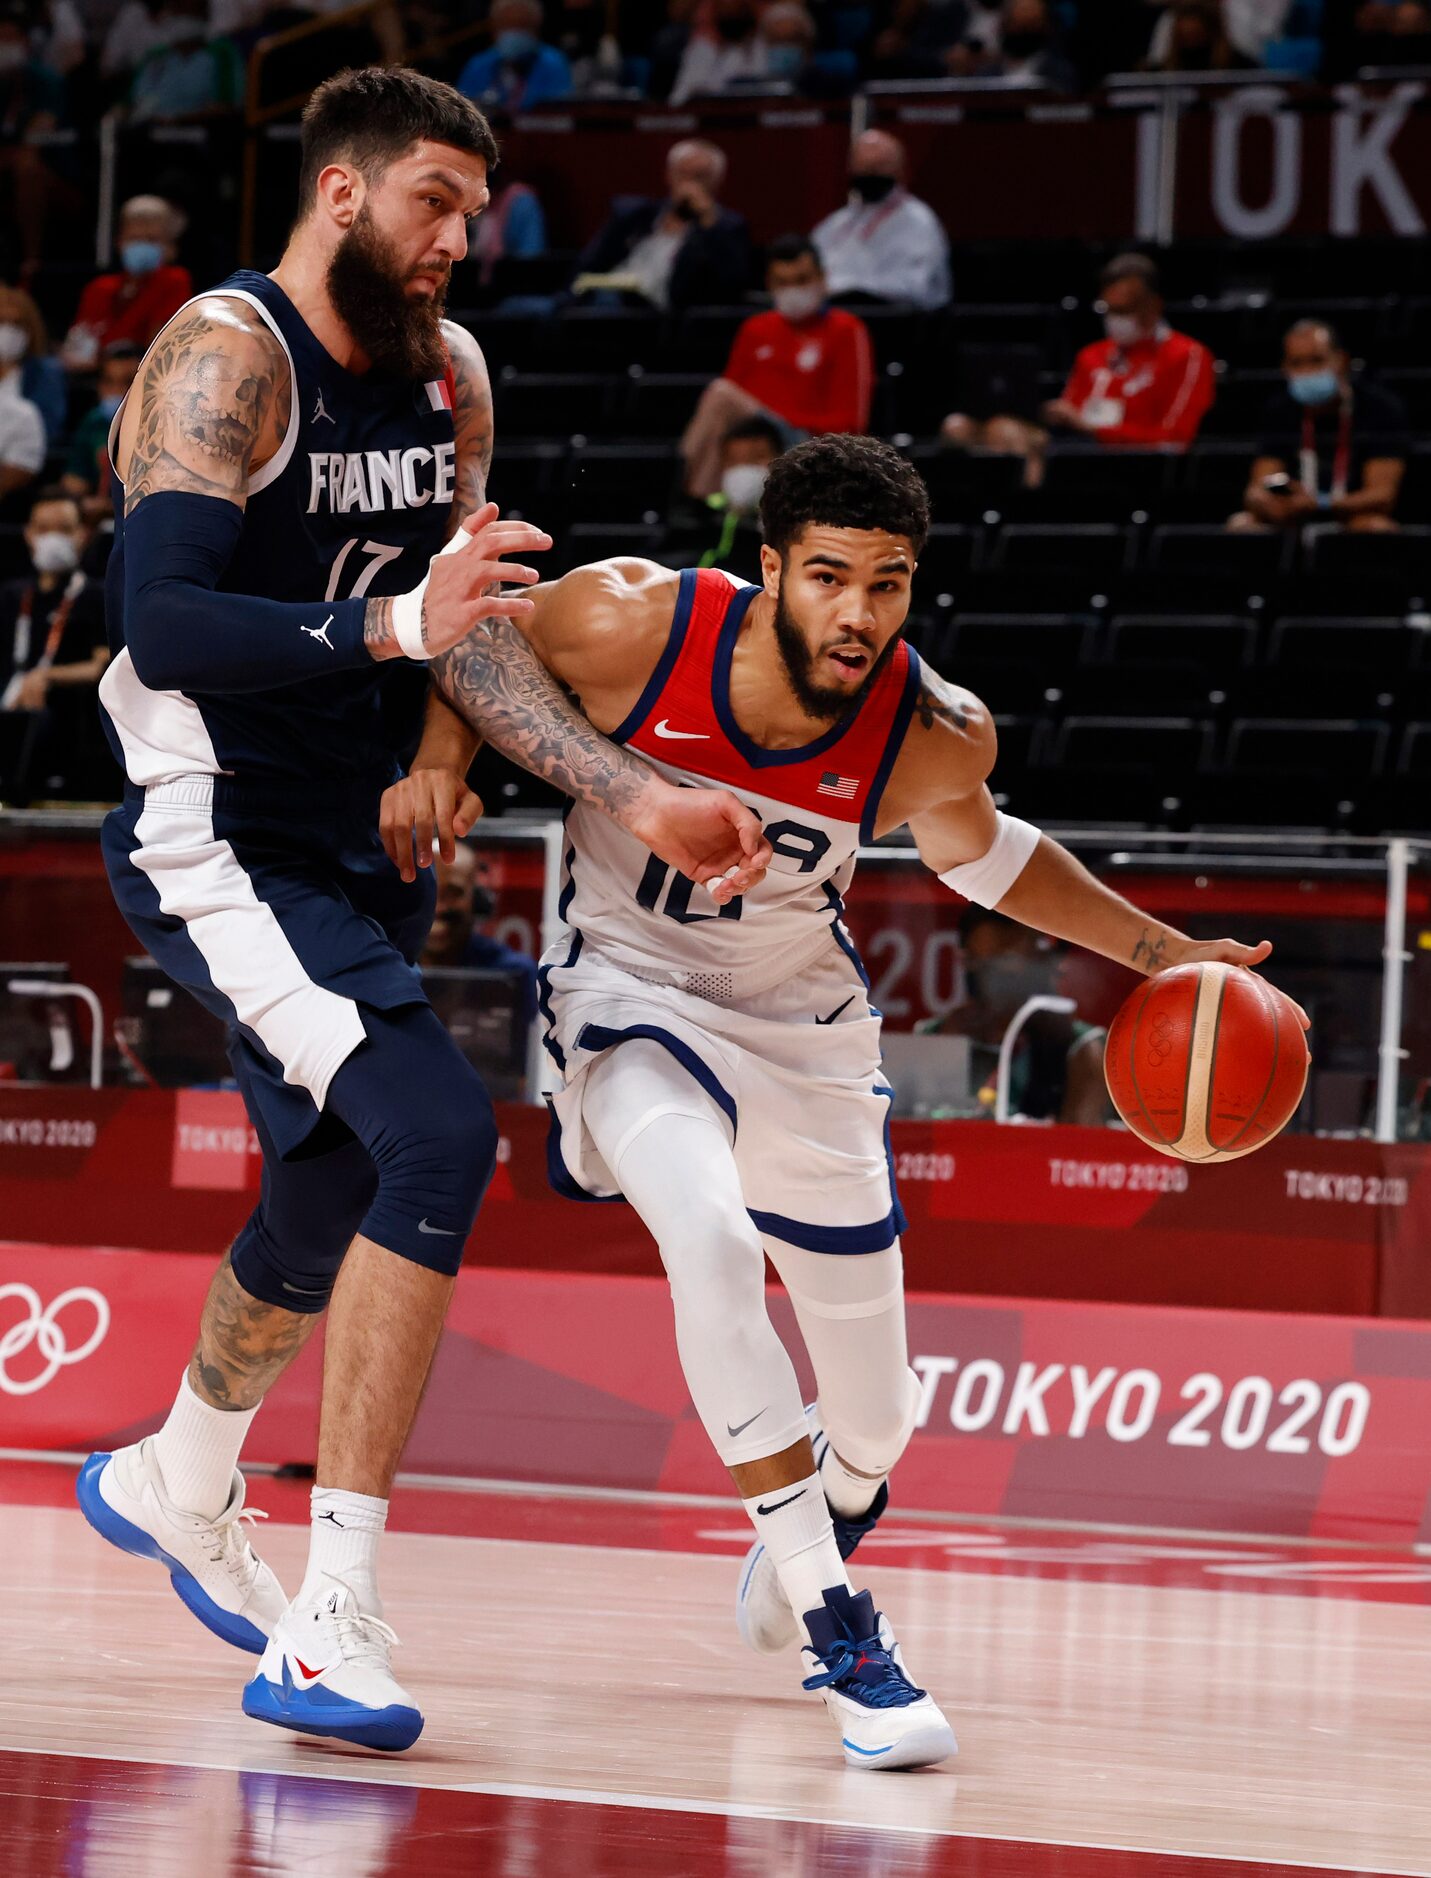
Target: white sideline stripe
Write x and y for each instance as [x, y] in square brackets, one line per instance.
[310, 1030]
[162, 733]
[716, 1809]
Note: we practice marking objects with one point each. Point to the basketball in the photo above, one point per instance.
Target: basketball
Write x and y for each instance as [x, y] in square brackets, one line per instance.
[1206, 1062]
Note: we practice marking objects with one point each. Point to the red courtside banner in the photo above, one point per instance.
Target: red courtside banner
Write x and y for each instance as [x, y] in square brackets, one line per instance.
[1100, 1414]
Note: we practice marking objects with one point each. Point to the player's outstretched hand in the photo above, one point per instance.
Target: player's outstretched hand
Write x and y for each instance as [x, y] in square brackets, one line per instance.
[709, 835]
[459, 577]
[430, 809]
[1231, 952]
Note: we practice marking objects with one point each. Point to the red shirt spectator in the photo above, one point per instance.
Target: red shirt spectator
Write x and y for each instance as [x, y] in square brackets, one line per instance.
[816, 373]
[1153, 391]
[131, 306]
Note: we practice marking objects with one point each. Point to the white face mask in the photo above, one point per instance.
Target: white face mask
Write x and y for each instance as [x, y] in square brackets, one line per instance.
[798, 303]
[1122, 328]
[742, 486]
[14, 342]
[54, 553]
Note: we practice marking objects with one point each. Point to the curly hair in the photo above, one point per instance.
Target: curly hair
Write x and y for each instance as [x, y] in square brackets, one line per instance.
[843, 482]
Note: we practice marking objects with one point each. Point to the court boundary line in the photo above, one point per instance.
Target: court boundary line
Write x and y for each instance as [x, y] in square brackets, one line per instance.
[664, 1803]
[917, 1516]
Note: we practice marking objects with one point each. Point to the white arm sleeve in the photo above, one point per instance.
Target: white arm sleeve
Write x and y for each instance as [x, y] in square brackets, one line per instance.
[988, 879]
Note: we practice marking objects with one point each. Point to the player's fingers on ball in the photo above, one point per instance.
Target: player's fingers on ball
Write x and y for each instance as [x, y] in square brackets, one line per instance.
[469, 813]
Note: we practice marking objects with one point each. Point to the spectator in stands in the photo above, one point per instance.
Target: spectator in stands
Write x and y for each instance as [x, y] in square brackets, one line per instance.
[148, 290]
[1331, 450]
[42, 377]
[52, 651]
[885, 244]
[58, 38]
[133, 34]
[519, 71]
[31, 104]
[22, 429]
[806, 364]
[926, 39]
[87, 472]
[723, 529]
[456, 942]
[1391, 32]
[723, 49]
[1057, 1068]
[1141, 387]
[683, 250]
[788, 33]
[1028, 53]
[1247, 25]
[1192, 37]
[187, 74]
[512, 224]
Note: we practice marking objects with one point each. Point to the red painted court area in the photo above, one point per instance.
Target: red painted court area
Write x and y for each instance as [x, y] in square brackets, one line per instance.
[1125, 1706]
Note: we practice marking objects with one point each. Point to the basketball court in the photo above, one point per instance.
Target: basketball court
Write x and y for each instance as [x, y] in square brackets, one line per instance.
[1124, 1706]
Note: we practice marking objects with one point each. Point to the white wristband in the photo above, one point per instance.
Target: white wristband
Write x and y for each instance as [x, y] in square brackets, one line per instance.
[407, 607]
[988, 879]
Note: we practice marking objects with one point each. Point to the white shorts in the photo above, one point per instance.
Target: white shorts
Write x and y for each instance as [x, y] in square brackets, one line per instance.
[794, 1070]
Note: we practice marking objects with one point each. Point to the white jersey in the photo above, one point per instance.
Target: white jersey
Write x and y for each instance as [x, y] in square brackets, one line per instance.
[817, 804]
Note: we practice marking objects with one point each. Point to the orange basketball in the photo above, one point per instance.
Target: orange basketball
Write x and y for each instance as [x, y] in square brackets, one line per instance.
[1206, 1062]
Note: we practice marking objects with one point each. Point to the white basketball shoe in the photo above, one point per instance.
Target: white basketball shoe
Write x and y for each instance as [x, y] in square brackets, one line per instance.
[211, 1563]
[328, 1671]
[856, 1665]
[762, 1610]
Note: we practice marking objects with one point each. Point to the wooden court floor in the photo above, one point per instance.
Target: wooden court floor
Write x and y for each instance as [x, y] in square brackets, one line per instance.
[1121, 1708]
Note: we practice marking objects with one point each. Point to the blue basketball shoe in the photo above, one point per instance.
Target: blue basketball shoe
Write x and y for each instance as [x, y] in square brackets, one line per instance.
[855, 1664]
[762, 1610]
[327, 1671]
[210, 1562]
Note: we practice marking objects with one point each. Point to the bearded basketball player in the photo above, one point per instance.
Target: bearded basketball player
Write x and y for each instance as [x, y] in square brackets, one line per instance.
[721, 1069]
[295, 452]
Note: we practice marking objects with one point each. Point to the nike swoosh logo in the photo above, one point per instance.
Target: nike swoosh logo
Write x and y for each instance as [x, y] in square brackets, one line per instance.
[312, 1675]
[663, 729]
[741, 1428]
[834, 1014]
[441, 1231]
[779, 1503]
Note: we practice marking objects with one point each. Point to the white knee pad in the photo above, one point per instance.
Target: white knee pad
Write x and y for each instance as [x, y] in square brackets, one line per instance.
[869, 1448]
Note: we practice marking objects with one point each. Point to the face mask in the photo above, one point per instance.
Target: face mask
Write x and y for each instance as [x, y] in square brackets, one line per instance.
[14, 342]
[1024, 45]
[141, 257]
[872, 188]
[54, 553]
[742, 486]
[515, 46]
[1122, 328]
[798, 303]
[12, 57]
[1314, 387]
[785, 62]
[108, 406]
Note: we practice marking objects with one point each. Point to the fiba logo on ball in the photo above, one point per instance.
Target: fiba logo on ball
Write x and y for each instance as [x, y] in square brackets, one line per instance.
[42, 1330]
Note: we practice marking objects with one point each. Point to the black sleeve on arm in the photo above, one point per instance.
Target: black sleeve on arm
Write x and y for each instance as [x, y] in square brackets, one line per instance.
[185, 635]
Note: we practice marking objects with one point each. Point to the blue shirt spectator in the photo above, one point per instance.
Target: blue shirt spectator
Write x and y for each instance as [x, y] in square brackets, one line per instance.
[519, 71]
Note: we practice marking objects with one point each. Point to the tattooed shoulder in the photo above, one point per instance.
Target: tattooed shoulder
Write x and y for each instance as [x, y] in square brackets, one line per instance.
[471, 419]
[938, 703]
[213, 394]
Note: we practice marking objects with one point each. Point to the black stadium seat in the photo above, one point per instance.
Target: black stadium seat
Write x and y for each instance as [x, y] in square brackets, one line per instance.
[1218, 645]
[600, 541]
[1404, 555]
[658, 404]
[1345, 751]
[552, 404]
[618, 482]
[605, 339]
[1187, 548]
[1049, 643]
[1414, 757]
[949, 556]
[528, 480]
[1375, 647]
[1094, 550]
[1167, 746]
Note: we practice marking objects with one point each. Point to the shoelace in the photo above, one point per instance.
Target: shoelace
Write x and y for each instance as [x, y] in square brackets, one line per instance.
[231, 1546]
[356, 1641]
[893, 1690]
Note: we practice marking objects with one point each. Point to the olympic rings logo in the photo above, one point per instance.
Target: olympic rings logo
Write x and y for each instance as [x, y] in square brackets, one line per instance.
[42, 1329]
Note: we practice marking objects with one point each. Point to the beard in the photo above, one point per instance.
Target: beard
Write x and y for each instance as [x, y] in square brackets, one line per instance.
[826, 703]
[368, 290]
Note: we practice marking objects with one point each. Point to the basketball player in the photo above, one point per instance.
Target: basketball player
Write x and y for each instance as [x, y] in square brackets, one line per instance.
[722, 1069]
[296, 450]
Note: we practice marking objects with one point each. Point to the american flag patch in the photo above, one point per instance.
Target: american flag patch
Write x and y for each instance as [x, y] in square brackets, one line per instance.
[842, 786]
[439, 394]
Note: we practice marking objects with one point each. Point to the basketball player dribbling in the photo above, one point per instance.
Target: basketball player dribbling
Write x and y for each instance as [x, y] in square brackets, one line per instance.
[295, 452]
[722, 1069]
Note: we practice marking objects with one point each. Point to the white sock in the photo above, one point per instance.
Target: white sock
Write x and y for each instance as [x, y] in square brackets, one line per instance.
[197, 1450]
[344, 1544]
[793, 1524]
[848, 1492]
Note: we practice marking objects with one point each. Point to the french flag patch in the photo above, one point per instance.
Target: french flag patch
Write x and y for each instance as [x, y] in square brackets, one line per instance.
[439, 394]
[842, 786]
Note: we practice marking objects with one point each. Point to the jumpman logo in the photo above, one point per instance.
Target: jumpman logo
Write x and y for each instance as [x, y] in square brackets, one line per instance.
[335, 1519]
[321, 410]
[320, 633]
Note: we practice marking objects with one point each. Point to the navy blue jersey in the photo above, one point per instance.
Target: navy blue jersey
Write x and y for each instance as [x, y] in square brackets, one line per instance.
[355, 503]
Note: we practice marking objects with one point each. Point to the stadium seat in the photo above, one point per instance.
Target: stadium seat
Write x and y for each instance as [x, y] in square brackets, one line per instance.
[1239, 405]
[1346, 751]
[1217, 645]
[1113, 481]
[600, 541]
[700, 341]
[658, 404]
[1380, 558]
[1052, 644]
[965, 484]
[949, 556]
[620, 482]
[1413, 760]
[1377, 647]
[1011, 684]
[605, 339]
[527, 481]
[553, 404]
[1096, 550]
[1166, 746]
[1181, 549]
[1131, 687]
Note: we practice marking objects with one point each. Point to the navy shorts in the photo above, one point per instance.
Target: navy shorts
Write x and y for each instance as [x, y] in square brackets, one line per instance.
[278, 909]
